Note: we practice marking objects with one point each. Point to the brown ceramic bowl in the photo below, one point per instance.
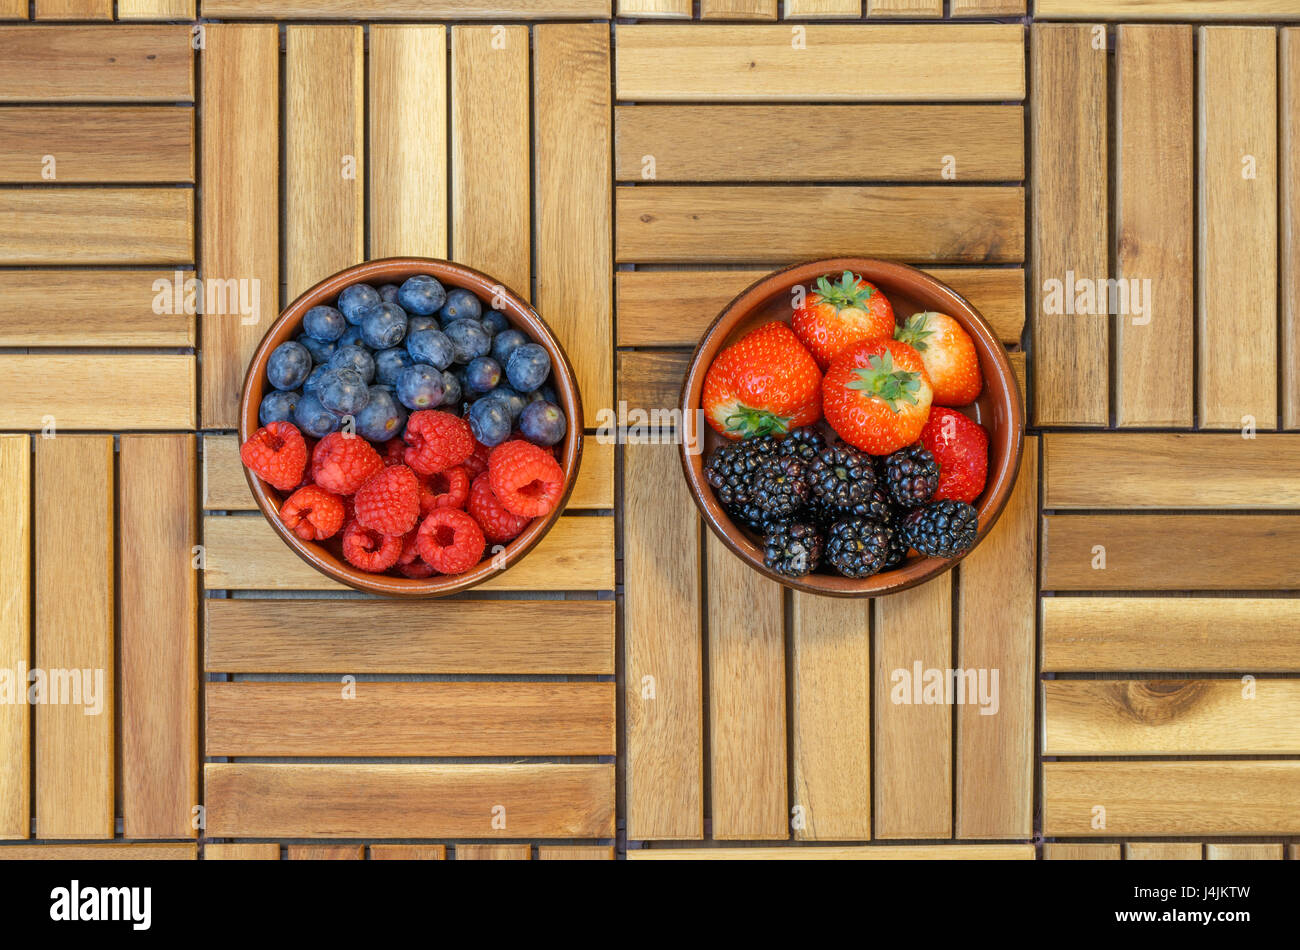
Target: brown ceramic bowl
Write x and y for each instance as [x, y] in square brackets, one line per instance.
[324, 556]
[998, 409]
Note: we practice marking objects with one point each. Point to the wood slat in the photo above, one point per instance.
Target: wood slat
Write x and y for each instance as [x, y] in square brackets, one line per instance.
[408, 852]
[781, 143]
[123, 302]
[97, 226]
[15, 634]
[737, 9]
[326, 852]
[116, 63]
[269, 851]
[904, 8]
[1289, 201]
[112, 392]
[721, 223]
[494, 852]
[830, 670]
[158, 528]
[880, 62]
[823, 9]
[650, 9]
[420, 801]
[324, 152]
[913, 740]
[408, 141]
[961, 8]
[1165, 9]
[13, 9]
[1175, 634]
[1243, 852]
[747, 740]
[74, 9]
[997, 592]
[1171, 798]
[1154, 221]
[372, 636]
[1068, 130]
[652, 380]
[241, 201]
[99, 144]
[924, 852]
[99, 852]
[156, 9]
[564, 852]
[1072, 851]
[663, 704]
[74, 599]
[572, 146]
[243, 553]
[490, 153]
[1170, 552]
[407, 9]
[1237, 359]
[1162, 851]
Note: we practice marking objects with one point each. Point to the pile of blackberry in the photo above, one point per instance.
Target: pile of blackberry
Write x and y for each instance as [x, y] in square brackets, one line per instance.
[819, 504]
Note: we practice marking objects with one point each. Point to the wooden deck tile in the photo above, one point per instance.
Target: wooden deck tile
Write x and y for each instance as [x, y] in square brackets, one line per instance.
[99, 852]
[1163, 9]
[494, 852]
[923, 852]
[408, 852]
[649, 9]
[111, 63]
[241, 852]
[74, 9]
[1243, 852]
[563, 852]
[905, 8]
[1289, 195]
[108, 392]
[406, 9]
[1070, 851]
[823, 9]
[974, 8]
[140, 226]
[156, 9]
[15, 634]
[326, 852]
[123, 301]
[1163, 851]
[101, 144]
[737, 9]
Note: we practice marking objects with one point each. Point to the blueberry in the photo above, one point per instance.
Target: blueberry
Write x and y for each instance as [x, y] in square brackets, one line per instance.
[277, 406]
[450, 389]
[355, 358]
[415, 323]
[482, 374]
[431, 347]
[489, 420]
[383, 418]
[390, 362]
[505, 343]
[494, 321]
[422, 295]
[313, 418]
[342, 391]
[420, 387]
[469, 339]
[314, 379]
[351, 337]
[542, 422]
[357, 299]
[383, 326]
[511, 399]
[460, 305]
[320, 351]
[324, 323]
[388, 293]
[528, 367]
[289, 365]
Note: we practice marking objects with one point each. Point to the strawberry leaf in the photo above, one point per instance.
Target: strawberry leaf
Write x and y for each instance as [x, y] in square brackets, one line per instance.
[893, 386]
[748, 423]
[915, 331]
[845, 294]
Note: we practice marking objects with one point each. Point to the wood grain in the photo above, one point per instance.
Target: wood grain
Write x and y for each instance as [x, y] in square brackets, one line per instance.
[74, 9]
[74, 598]
[13, 9]
[650, 380]
[823, 9]
[1164, 9]
[1175, 634]
[123, 302]
[878, 852]
[1243, 852]
[1237, 359]
[1289, 202]
[1068, 137]
[649, 9]
[1171, 798]
[1170, 552]
[111, 392]
[1074, 851]
[97, 144]
[494, 852]
[15, 634]
[490, 226]
[830, 670]
[1154, 219]
[581, 852]
[904, 8]
[913, 740]
[380, 636]
[880, 62]
[99, 852]
[324, 152]
[1162, 851]
[325, 852]
[721, 223]
[406, 9]
[572, 144]
[737, 9]
[663, 705]
[156, 9]
[97, 226]
[961, 8]
[269, 851]
[408, 852]
[110, 63]
[747, 741]
[421, 801]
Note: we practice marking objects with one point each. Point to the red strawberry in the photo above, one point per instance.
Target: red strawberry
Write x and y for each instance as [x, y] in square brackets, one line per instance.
[961, 447]
[277, 453]
[764, 384]
[949, 356]
[835, 315]
[877, 396]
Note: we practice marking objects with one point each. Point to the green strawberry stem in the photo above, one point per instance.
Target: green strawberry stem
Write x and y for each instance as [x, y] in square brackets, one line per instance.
[915, 330]
[755, 422]
[880, 379]
[846, 293]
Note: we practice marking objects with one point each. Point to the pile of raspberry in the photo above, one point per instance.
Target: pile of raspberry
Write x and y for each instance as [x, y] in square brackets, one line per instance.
[427, 503]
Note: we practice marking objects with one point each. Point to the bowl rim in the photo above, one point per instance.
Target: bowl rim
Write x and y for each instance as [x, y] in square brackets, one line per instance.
[520, 311]
[997, 491]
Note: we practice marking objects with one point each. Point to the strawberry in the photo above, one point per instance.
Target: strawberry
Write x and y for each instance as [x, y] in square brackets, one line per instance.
[766, 383]
[949, 356]
[877, 395]
[961, 447]
[835, 315]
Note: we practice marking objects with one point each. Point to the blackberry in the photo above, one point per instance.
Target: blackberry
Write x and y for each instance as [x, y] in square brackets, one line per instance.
[911, 476]
[857, 547]
[780, 486]
[943, 529]
[803, 444]
[730, 469]
[841, 476]
[898, 546]
[792, 548]
[875, 506]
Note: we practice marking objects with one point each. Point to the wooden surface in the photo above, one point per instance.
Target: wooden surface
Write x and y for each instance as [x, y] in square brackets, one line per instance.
[139, 226]
[119, 391]
[123, 301]
[96, 64]
[100, 145]
[1289, 195]
[15, 632]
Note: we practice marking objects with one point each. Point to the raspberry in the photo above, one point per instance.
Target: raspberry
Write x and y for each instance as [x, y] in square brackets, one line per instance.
[447, 489]
[276, 453]
[312, 513]
[451, 541]
[436, 441]
[341, 463]
[394, 449]
[410, 548]
[370, 550]
[498, 524]
[416, 569]
[477, 463]
[389, 502]
[526, 478]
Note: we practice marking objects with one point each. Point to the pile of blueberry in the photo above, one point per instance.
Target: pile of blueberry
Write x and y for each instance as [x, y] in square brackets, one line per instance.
[381, 353]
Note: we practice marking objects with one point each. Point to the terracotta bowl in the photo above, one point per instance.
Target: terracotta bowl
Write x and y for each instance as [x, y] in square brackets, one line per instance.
[394, 271]
[998, 409]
